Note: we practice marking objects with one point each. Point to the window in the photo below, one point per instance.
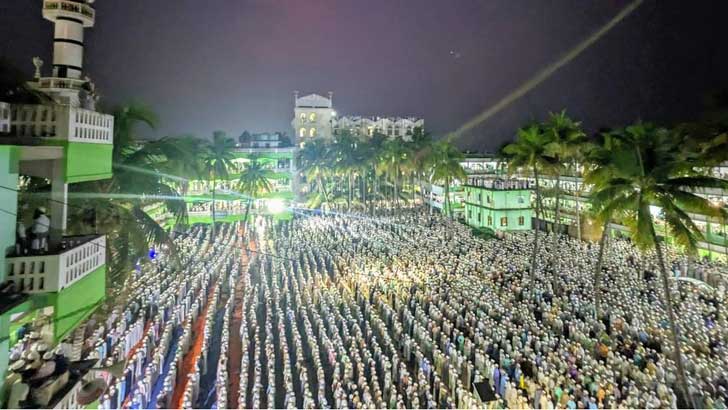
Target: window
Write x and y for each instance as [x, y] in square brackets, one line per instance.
[487, 199]
[312, 132]
[312, 117]
[521, 200]
[479, 217]
[470, 214]
[490, 220]
[521, 220]
[302, 132]
[303, 117]
[504, 221]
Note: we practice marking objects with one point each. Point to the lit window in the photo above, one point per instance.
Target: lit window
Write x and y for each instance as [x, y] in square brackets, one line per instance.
[312, 132]
[302, 132]
[312, 117]
[303, 116]
[504, 221]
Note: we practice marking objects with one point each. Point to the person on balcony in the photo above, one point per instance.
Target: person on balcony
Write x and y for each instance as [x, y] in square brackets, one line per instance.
[21, 238]
[39, 230]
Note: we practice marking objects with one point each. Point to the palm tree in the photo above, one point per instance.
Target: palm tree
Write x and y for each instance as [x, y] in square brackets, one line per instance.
[218, 159]
[566, 139]
[529, 151]
[653, 169]
[344, 151]
[314, 159]
[445, 160]
[254, 180]
[141, 178]
[392, 157]
[600, 167]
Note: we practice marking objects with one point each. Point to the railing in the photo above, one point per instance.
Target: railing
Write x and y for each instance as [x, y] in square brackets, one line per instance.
[70, 6]
[4, 117]
[60, 268]
[59, 83]
[62, 122]
[263, 150]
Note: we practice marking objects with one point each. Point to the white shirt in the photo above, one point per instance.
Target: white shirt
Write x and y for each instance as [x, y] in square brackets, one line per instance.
[41, 224]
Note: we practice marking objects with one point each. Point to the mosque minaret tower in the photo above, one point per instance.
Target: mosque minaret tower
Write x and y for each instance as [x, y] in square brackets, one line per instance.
[70, 18]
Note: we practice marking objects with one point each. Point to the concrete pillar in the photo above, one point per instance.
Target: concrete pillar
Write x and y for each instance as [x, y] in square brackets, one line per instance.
[58, 202]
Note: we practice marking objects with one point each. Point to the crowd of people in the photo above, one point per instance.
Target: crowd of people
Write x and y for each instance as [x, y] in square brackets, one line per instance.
[229, 207]
[402, 309]
[409, 310]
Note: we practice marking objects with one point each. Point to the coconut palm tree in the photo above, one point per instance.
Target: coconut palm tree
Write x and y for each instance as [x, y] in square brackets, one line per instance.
[315, 161]
[653, 169]
[392, 157]
[566, 138]
[218, 160]
[600, 166]
[529, 152]
[446, 168]
[142, 177]
[254, 180]
[345, 152]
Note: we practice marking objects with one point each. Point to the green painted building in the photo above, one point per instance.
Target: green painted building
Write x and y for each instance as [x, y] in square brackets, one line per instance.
[497, 204]
[52, 283]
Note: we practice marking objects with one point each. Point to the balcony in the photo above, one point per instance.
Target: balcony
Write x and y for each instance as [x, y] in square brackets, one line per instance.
[52, 9]
[62, 266]
[58, 84]
[61, 123]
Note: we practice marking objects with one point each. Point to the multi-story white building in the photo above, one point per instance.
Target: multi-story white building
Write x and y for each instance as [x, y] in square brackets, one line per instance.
[314, 116]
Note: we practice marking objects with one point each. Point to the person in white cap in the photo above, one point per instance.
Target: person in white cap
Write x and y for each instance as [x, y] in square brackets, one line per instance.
[39, 230]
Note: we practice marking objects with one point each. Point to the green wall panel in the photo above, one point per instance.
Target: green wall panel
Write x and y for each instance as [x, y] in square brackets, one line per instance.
[73, 304]
[9, 156]
[88, 162]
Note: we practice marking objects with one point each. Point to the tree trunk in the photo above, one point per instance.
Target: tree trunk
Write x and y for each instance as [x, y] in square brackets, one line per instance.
[598, 269]
[322, 188]
[213, 209]
[431, 196]
[557, 231]
[534, 255]
[245, 221]
[682, 379]
[348, 196]
[446, 203]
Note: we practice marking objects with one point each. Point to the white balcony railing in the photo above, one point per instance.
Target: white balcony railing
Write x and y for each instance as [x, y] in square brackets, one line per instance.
[55, 271]
[62, 122]
[4, 118]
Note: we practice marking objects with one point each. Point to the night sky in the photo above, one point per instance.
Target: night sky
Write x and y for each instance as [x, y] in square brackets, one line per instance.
[234, 64]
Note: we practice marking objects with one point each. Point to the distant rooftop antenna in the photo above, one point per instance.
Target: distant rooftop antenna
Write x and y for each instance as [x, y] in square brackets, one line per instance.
[295, 97]
[331, 99]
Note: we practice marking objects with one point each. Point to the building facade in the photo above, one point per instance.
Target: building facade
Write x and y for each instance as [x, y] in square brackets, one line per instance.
[498, 204]
[314, 116]
[65, 141]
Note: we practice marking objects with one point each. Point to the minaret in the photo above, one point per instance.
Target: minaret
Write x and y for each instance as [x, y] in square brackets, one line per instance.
[70, 18]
